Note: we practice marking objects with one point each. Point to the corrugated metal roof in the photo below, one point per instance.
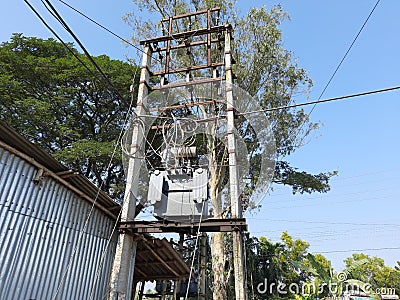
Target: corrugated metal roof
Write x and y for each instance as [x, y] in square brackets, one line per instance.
[49, 246]
[12, 138]
[156, 259]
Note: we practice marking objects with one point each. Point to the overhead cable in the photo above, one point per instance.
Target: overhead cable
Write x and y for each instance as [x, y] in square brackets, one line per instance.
[345, 55]
[323, 100]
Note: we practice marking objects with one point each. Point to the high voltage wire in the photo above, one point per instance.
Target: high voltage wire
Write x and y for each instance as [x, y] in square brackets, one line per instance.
[307, 233]
[58, 37]
[345, 55]
[325, 222]
[58, 17]
[293, 132]
[332, 202]
[279, 201]
[101, 26]
[360, 250]
[339, 179]
[324, 100]
[315, 237]
[351, 184]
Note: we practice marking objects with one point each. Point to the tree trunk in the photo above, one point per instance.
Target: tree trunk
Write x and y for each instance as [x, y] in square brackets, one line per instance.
[218, 256]
[218, 266]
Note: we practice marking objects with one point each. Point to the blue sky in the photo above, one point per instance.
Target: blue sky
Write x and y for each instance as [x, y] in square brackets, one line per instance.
[359, 136]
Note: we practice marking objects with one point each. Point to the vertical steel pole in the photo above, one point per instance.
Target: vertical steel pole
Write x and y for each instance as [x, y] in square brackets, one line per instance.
[124, 262]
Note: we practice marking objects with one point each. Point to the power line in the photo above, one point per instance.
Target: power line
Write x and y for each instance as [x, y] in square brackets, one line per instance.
[325, 222]
[58, 37]
[333, 195]
[336, 70]
[332, 202]
[101, 26]
[58, 17]
[345, 55]
[360, 250]
[323, 100]
[110, 31]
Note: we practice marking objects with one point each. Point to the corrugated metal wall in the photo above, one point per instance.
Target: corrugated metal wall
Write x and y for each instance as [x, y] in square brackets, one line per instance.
[40, 226]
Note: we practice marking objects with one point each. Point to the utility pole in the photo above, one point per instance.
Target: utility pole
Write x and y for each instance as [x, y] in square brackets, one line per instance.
[121, 280]
[236, 206]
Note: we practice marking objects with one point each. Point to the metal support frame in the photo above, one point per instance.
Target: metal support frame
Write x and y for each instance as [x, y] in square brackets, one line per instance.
[210, 225]
[186, 36]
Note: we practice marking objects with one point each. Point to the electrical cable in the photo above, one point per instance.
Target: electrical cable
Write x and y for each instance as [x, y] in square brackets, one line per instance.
[324, 222]
[336, 70]
[331, 203]
[359, 250]
[111, 32]
[47, 221]
[103, 256]
[278, 201]
[345, 55]
[103, 27]
[351, 184]
[58, 37]
[280, 188]
[58, 17]
[324, 100]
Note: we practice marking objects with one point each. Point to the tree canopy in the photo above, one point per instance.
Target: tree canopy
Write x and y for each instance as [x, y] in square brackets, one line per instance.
[65, 107]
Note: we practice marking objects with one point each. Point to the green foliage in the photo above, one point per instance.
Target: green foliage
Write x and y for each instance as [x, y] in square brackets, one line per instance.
[272, 263]
[373, 270]
[50, 97]
[301, 181]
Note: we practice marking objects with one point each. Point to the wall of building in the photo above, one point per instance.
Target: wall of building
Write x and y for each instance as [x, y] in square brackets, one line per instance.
[41, 229]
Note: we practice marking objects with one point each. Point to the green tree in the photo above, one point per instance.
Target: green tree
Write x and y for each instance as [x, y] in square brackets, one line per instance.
[267, 72]
[50, 97]
[373, 271]
[269, 265]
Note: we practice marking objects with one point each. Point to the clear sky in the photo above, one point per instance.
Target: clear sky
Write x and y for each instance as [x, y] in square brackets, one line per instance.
[359, 136]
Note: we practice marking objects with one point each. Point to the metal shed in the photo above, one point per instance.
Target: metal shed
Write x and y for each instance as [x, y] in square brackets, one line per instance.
[44, 251]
